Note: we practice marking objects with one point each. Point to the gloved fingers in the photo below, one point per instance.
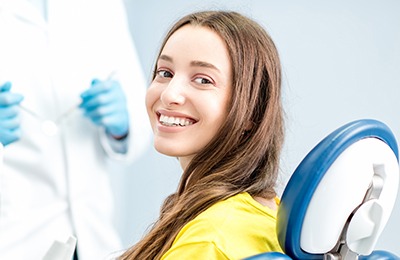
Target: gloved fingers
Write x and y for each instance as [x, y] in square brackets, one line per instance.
[102, 99]
[105, 110]
[115, 124]
[9, 112]
[98, 87]
[11, 123]
[9, 120]
[105, 104]
[5, 87]
[93, 91]
[9, 98]
[9, 136]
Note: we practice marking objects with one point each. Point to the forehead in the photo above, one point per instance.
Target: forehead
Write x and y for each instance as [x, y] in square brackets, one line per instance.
[198, 42]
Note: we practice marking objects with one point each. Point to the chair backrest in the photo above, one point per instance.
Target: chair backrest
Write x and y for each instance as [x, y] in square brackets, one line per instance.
[341, 195]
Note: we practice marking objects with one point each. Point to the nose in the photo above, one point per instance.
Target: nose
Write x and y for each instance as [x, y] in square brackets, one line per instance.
[173, 94]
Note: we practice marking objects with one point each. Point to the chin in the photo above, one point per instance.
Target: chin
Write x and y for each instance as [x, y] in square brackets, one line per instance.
[167, 150]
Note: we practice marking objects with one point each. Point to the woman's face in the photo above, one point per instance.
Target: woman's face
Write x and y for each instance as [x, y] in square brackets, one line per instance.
[187, 102]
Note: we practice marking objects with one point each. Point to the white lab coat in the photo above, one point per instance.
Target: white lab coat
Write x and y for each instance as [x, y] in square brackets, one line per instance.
[55, 186]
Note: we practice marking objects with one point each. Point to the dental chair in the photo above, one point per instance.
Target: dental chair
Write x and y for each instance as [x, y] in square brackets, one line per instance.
[339, 199]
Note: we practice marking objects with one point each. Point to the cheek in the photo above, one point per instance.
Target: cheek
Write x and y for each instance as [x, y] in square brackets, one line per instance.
[219, 112]
[216, 115]
[152, 96]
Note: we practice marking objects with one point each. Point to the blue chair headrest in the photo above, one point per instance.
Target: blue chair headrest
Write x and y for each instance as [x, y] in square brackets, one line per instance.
[308, 175]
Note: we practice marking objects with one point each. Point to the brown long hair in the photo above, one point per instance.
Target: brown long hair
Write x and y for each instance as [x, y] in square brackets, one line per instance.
[239, 158]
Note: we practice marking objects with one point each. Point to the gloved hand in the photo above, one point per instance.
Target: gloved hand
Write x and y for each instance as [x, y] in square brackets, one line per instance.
[104, 103]
[9, 115]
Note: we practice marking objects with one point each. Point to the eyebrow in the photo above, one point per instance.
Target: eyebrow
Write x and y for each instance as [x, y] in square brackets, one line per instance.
[165, 57]
[194, 63]
[203, 64]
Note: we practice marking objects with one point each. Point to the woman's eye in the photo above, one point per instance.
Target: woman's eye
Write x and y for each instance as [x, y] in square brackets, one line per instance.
[202, 80]
[164, 74]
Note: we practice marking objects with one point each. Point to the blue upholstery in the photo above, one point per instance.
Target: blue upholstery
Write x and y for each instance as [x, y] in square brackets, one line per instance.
[380, 255]
[376, 255]
[306, 178]
[269, 256]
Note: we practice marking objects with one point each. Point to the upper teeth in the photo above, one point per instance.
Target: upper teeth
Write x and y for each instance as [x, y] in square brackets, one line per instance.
[174, 121]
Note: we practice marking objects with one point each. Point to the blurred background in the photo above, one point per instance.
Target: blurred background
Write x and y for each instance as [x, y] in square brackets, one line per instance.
[341, 62]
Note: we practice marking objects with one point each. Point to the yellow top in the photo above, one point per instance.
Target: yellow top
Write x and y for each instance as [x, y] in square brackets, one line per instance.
[235, 228]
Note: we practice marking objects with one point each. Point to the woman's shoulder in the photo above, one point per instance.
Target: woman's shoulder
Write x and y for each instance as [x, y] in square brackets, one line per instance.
[236, 214]
[240, 204]
[236, 225]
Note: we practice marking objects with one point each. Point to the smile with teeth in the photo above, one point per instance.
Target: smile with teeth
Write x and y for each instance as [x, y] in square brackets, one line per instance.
[174, 121]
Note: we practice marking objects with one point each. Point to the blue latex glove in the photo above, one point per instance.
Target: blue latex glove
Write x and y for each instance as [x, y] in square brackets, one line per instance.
[104, 103]
[9, 115]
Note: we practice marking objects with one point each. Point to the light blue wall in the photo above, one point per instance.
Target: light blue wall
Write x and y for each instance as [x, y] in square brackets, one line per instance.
[341, 62]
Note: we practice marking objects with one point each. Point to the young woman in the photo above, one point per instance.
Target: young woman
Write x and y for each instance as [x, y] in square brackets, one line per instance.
[215, 103]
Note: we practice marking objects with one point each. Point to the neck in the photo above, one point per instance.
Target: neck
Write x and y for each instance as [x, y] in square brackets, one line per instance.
[270, 203]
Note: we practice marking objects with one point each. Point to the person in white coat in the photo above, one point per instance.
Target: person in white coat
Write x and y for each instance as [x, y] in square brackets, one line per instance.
[71, 105]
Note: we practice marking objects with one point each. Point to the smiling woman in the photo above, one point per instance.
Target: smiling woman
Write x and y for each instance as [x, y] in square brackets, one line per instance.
[215, 104]
[192, 84]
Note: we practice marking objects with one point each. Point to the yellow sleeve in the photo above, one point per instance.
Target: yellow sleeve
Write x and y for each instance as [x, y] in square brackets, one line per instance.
[198, 250]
